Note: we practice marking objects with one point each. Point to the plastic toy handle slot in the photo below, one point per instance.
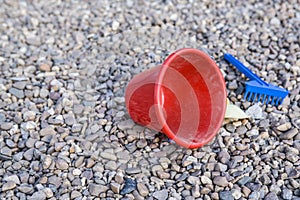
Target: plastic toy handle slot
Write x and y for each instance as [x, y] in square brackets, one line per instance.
[242, 68]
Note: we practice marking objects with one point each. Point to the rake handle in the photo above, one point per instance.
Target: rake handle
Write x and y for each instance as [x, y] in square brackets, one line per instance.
[242, 68]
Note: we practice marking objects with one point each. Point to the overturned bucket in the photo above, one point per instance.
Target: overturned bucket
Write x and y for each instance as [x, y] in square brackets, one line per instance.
[185, 98]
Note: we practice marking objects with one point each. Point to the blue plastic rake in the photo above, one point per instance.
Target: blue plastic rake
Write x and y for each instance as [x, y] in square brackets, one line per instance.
[257, 89]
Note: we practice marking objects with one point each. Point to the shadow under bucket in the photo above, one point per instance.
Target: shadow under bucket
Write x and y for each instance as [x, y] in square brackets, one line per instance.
[185, 98]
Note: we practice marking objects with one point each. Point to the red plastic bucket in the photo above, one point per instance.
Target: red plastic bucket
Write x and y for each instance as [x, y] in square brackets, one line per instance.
[185, 98]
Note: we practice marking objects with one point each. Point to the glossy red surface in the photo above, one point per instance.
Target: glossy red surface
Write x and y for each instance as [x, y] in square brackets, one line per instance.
[185, 98]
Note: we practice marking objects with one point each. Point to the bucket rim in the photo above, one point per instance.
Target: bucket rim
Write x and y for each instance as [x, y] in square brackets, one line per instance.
[157, 100]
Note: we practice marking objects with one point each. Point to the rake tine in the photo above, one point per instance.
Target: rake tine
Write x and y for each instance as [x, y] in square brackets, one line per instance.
[278, 100]
[269, 98]
[273, 100]
[262, 98]
[259, 96]
[281, 101]
[252, 96]
[263, 101]
[249, 97]
[245, 95]
[254, 99]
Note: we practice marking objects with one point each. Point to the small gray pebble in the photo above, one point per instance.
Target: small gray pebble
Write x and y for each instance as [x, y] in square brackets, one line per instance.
[220, 181]
[233, 85]
[161, 194]
[75, 194]
[26, 188]
[13, 178]
[19, 85]
[2, 117]
[254, 195]
[8, 186]
[39, 195]
[289, 134]
[130, 185]
[97, 189]
[287, 194]
[6, 151]
[226, 195]
[134, 170]
[244, 180]
[61, 164]
[16, 92]
[271, 196]
[6, 126]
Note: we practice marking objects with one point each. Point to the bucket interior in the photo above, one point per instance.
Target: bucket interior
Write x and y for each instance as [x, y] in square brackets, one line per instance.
[192, 92]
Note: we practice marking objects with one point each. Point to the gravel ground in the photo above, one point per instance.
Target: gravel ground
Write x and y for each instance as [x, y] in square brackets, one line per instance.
[65, 132]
